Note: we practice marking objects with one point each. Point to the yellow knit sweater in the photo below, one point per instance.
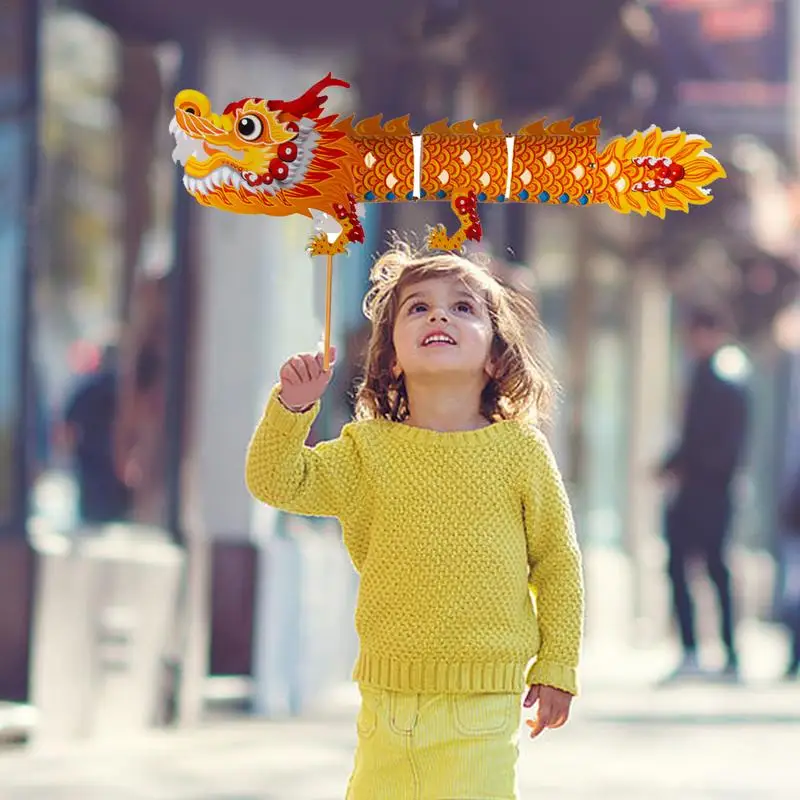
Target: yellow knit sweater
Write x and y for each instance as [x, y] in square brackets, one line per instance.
[464, 542]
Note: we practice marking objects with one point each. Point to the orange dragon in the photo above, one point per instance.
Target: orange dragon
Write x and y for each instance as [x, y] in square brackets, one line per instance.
[280, 157]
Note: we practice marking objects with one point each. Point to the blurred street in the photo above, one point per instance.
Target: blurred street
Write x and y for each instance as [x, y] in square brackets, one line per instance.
[622, 743]
[626, 740]
[163, 635]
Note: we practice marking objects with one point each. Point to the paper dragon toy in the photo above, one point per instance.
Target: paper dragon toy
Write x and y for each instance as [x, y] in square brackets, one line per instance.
[279, 158]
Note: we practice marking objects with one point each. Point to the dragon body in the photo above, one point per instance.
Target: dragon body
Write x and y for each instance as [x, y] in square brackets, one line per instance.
[287, 157]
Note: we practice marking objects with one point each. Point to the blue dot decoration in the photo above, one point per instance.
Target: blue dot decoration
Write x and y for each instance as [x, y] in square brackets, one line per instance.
[501, 198]
[369, 196]
[564, 198]
[523, 195]
[544, 197]
[441, 194]
[584, 200]
[391, 196]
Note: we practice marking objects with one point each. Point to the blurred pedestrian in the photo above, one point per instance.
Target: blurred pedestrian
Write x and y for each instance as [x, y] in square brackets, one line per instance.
[453, 512]
[701, 472]
[87, 431]
[140, 433]
[790, 519]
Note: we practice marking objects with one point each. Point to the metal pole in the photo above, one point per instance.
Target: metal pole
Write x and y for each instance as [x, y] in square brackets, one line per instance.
[29, 120]
[180, 282]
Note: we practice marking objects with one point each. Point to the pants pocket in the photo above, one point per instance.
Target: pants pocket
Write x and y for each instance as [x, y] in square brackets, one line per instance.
[367, 719]
[485, 714]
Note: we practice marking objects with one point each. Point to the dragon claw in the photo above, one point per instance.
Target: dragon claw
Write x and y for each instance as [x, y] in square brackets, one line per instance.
[320, 245]
[439, 240]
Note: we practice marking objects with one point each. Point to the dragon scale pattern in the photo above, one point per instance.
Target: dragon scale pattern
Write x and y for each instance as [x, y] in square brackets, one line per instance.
[283, 157]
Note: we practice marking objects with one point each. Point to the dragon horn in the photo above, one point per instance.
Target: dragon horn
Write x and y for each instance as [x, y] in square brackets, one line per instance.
[310, 103]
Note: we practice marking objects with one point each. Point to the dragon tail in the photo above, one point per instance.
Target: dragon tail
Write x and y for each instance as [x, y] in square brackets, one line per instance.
[655, 172]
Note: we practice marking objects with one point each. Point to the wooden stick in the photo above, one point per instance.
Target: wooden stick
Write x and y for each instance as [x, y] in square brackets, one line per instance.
[328, 297]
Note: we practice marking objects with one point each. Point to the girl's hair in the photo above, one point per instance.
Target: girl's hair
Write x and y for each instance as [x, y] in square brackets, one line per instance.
[522, 386]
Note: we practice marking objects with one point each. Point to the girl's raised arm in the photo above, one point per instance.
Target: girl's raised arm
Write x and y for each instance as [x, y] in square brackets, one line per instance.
[281, 471]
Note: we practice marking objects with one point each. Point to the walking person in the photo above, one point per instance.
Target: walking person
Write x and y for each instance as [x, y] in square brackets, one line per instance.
[453, 512]
[87, 431]
[701, 471]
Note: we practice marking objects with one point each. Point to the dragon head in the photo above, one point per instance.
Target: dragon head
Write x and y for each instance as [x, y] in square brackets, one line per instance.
[258, 156]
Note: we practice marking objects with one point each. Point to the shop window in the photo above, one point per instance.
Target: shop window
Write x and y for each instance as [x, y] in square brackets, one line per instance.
[101, 290]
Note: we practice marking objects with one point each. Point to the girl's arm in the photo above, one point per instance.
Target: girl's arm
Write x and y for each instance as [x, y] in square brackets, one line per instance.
[323, 481]
[556, 573]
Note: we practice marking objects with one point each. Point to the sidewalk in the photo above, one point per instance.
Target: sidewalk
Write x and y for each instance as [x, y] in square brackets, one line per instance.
[694, 743]
[625, 741]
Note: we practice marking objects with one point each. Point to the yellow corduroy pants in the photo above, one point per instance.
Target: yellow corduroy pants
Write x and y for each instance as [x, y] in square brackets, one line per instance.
[436, 746]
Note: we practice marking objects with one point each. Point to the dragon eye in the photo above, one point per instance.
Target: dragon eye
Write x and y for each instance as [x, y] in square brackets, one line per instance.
[249, 127]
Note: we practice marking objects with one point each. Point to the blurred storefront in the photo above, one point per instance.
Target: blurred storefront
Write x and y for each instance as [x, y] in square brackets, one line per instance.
[730, 69]
[88, 236]
[728, 64]
[119, 256]
[106, 202]
[612, 289]
[206, 306]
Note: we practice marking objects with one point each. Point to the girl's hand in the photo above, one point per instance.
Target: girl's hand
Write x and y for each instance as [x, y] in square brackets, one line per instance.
[553, 710]
[303, 381]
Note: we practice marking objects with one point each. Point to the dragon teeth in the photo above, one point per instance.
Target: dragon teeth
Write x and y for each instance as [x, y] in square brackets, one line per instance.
[224, 176]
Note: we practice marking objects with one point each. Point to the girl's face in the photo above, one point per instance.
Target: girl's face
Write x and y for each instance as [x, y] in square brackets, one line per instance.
[442, 328]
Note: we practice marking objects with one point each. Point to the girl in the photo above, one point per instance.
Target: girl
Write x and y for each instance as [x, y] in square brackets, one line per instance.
[454, 514]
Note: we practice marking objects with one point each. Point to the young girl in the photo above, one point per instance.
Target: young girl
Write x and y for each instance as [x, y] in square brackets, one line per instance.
[455, 516]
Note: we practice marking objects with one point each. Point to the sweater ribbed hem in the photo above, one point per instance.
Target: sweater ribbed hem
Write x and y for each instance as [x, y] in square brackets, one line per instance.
[559, 676]
[437, 677]
[289, 423]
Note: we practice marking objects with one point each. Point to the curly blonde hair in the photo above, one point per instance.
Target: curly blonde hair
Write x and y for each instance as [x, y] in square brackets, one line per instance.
[522, 386]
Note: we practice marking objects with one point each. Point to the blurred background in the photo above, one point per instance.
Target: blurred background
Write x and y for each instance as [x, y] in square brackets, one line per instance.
[140, 585]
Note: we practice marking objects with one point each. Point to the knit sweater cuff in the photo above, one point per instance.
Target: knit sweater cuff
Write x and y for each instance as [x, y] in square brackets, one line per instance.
[289, 423]
[559, 676]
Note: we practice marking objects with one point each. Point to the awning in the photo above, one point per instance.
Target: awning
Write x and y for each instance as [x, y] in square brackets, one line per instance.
[311, 22]
[529, 55]
[538, 31]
